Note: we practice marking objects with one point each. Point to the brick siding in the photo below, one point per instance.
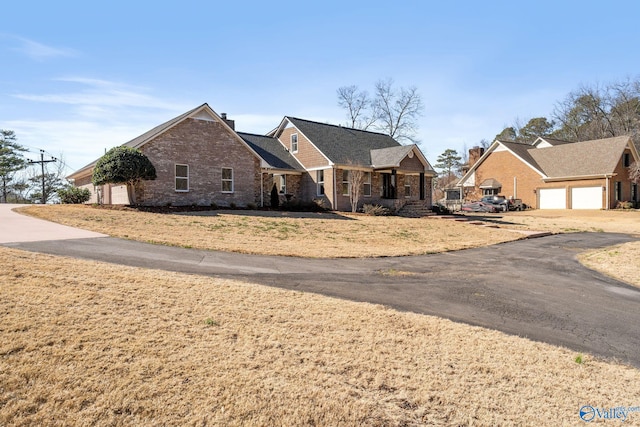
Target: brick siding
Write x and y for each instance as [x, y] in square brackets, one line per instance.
[206, 147]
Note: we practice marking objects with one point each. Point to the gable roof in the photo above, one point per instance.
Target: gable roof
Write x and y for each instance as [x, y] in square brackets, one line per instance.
[550, 141]
[343, 145]
[586, 158]
[389, 157]
[565, 160]
[522, 151]
[146, 137]
[271, 151]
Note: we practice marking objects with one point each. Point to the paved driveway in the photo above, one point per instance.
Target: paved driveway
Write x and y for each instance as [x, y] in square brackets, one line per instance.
[533, 288]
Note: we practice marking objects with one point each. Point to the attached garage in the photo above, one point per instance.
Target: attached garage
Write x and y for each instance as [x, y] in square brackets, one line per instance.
[586, 198]
[552, 198]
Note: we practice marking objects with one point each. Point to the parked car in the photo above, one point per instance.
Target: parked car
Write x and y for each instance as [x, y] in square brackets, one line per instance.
[516, 205]
[499, 201]
[479, 207]
[504, 204]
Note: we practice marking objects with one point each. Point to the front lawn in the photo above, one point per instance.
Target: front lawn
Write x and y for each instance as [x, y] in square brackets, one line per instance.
[88, 343]
[316, 235]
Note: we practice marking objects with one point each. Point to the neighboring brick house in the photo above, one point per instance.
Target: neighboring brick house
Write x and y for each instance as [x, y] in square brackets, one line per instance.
[554, 174]
[201, 160]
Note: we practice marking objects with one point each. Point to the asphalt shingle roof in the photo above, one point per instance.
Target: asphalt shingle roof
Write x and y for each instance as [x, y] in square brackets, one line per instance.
[271, 150]
[343, 145]
[523, 151]
[572, 159]
[389, 157]
[586, 158]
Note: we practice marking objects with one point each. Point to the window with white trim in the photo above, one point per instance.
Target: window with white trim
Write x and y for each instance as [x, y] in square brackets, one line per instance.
[367, 184]
[294, 143]
[320, 183]
[491, 191]
[227, 180]
[182, 178]
[345, 182]
[407, 190]
[282, 183]
[626, 160]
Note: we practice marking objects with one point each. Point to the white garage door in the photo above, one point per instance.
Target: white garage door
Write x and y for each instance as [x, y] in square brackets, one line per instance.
[553, 198]
[586, 198]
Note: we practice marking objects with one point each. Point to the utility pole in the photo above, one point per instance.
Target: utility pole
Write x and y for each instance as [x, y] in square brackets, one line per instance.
[42, 161]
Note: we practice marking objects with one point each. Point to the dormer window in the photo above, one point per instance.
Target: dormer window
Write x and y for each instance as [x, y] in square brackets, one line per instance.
[294, 143]
[626, 160]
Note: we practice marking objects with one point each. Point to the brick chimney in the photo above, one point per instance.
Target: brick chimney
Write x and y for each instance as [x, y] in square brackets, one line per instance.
[230, 123]
[474, 155]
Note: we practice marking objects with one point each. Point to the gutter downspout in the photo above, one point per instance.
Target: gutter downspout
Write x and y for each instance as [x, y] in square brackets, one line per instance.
[261, 189]
[335, 191]
[606, 179]
[515, 187]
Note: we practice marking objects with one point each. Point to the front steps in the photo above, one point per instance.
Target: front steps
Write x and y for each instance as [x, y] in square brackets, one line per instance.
[415, 209]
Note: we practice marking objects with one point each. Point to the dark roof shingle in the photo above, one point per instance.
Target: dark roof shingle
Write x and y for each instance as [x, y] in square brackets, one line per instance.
[343, 145]
[271, 151]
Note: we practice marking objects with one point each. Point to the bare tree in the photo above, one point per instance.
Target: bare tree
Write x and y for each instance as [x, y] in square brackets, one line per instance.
[594, 112]
[399, 110]
[634, 172]
[356, 181]
[392, 111]
[360, 111]
[485, 143]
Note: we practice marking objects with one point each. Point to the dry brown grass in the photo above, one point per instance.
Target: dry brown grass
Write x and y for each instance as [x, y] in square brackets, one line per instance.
[564, 221]
[314, 235]
[85, 343]
[621, 262]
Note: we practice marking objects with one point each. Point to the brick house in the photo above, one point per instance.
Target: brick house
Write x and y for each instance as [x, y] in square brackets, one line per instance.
[554, 174]
[201, 160]
[394, 174]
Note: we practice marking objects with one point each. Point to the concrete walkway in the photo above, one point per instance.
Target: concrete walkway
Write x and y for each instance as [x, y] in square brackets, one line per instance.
[16, 228]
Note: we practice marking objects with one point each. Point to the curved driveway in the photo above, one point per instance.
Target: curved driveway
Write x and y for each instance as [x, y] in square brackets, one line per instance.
[533, 288]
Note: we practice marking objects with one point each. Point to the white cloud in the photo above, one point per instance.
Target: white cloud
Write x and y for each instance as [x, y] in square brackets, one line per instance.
[41, 52]
[77, 142]
[96, 94]
[94, 115]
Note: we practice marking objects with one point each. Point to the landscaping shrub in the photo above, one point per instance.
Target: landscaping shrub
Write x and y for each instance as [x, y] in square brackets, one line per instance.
[275, 197]
[440, 209]
[295, 205]
[375, 210]
[624, 205]
[74, 195]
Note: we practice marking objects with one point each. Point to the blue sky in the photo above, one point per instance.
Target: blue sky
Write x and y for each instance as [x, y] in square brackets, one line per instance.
[81, 77]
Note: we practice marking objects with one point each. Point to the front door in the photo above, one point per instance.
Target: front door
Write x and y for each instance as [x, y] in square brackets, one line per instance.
[389, 186]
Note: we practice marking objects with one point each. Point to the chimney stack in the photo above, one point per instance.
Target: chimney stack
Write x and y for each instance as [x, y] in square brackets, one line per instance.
[474, 155]
[230, 123]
